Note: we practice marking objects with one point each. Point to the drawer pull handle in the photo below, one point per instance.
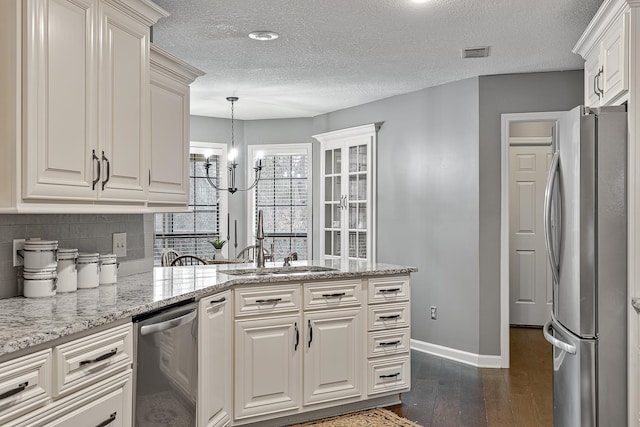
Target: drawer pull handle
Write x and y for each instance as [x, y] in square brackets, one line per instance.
[295, 325]
[393, 316]
[109, 420]
[268, 301]
[389, 343]
[100, 358]
[389, 291]
[336, 295]
[218, 301]
[397, 374]
[310, 333]
[16, 390]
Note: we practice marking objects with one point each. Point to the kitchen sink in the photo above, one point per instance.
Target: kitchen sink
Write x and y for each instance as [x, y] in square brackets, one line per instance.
[267, 271]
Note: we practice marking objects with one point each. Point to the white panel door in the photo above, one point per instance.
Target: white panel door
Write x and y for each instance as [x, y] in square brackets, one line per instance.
[124, 89]
[529, 275]
[333, 355]
[60, 90]
[615, 61]
[215, 361]
[267, 365]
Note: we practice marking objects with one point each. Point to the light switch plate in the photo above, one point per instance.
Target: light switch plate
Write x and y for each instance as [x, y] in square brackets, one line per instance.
[18, 245]
[120, 244]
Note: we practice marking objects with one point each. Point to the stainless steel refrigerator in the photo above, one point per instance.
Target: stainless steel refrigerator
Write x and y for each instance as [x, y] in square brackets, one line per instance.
[586, 239]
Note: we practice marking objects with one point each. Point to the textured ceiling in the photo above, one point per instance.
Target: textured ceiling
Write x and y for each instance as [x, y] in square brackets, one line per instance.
[334, 54]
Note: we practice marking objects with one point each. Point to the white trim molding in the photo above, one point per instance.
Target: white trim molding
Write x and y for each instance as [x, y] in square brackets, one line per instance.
[477, 360]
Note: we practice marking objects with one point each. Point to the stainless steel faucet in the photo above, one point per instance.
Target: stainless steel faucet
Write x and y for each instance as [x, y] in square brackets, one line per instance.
[259, 242]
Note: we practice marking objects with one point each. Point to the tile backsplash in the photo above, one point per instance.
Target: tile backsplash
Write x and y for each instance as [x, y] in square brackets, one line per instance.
[86, 232]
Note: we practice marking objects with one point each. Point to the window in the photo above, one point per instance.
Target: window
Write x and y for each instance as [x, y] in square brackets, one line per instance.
[284, 195]
[190, 232]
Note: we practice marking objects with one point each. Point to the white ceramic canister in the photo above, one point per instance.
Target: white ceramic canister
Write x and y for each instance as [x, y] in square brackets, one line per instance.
[67, 270]
[40, 254]
[88, 270]
[39, 282]
[108, 269]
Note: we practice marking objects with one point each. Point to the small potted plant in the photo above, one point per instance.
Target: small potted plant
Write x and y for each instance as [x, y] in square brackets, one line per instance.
[217, 245]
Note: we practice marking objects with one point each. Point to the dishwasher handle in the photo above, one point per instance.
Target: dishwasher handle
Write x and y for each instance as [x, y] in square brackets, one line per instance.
[169, 324]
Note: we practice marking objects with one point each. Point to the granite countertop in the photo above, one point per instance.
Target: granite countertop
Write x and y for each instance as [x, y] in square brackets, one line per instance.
[27, 322]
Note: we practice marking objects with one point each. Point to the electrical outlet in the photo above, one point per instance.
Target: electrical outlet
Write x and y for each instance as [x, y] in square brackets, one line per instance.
[120, 244]
[18, 245]
[434, 313]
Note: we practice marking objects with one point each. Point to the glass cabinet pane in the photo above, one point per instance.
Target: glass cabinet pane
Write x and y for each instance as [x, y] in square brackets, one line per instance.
[337, 211]
[362, 216]
[353, 215]
[353, 187]
[336, 243]
[337, 189]
[328, 162]
[362, 158]
[352, 244]
[362, 187]
[362, 245]
[337, 160]
[353, 159]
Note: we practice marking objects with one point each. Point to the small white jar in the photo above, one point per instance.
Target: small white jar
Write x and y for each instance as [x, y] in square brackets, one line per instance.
[108, 269]
[67, 270]
[88, 270]
[39, 283]
[40, 254]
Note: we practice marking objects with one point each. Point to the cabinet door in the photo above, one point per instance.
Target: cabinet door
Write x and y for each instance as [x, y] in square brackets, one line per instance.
[359, 199]
[267, 365]
[124, 90]
[592, 79]
[168, 171]
[615, 61]
[59, 95]
[215, 360]
[333, 201]
[333, 355]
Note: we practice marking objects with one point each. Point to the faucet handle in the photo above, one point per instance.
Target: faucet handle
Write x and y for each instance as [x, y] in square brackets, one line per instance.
[286, 262]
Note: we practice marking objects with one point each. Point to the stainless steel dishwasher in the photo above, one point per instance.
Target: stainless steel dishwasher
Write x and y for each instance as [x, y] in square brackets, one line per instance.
[166, 368]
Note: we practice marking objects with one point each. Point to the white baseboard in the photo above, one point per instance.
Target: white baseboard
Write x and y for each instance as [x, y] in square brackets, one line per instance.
[477, 360]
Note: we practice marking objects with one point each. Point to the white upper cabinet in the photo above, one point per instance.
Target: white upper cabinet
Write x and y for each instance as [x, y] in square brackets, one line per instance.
[605, 48]
[76, 114]
[348, 191]
[169, 145]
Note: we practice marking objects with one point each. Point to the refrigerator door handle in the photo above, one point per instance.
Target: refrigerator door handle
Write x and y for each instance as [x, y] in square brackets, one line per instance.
[548, 195]
[548, 328]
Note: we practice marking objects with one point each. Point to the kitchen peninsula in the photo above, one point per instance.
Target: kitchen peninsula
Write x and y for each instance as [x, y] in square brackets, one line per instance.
[355, 312]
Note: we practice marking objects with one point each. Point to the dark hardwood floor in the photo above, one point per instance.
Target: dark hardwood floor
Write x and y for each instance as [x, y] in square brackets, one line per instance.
[445, 393]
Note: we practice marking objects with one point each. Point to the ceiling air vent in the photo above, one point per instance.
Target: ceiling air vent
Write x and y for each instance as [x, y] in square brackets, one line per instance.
[475, 52]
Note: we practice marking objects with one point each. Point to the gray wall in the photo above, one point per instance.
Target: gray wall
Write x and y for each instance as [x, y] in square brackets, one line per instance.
[513, 93]
[428, 201]
[87, 233]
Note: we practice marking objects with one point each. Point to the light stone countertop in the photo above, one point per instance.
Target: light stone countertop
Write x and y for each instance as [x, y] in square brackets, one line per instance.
[27, 322]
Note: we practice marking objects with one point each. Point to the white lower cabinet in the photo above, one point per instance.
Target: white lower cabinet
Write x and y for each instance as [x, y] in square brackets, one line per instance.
[268, 358]
[215, 360]
[333, 355]
[84, 382]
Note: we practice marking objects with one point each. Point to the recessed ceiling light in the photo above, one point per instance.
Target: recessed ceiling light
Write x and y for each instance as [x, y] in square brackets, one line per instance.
[264, 35]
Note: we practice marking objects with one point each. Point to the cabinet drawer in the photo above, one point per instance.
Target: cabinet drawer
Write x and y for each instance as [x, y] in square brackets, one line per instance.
[389, 374]
[388, 316]
[107, 403]
[332, 294]
[89, 359]
[25, 384]
[388, 289]
[267, 299]
[384, 343]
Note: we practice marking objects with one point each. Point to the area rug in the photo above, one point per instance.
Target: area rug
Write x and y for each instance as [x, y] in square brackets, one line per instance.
[377, 417]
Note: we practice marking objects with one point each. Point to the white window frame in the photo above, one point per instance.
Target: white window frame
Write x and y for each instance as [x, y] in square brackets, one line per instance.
[279, 149]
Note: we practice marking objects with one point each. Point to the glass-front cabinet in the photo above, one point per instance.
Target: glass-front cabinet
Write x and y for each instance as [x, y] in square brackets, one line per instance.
[347, 212]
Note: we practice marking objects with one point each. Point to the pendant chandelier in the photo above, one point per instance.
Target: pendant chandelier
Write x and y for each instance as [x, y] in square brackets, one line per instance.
[232, 164]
